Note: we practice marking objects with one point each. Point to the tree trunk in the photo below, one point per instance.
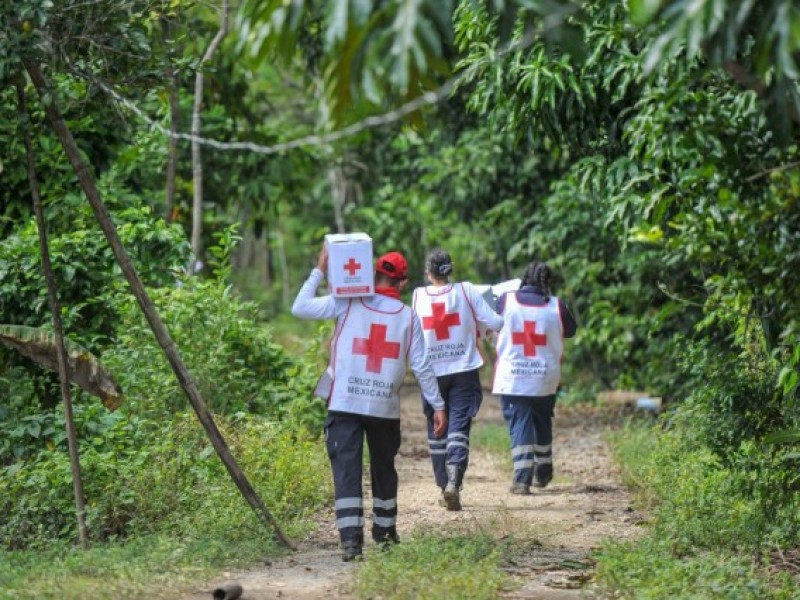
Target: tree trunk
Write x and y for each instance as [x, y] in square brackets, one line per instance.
[338, 184]
[55, 311]
[269, 267]
[172, 147]
[89, 187]
[286, 286]
[197, 163]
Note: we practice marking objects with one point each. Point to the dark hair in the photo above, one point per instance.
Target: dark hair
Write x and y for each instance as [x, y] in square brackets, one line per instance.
[538, 274]
[439, 263]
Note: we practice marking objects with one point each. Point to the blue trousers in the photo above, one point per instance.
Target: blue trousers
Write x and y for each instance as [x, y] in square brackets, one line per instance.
[344, 439]
[462, 396]
[530, 425]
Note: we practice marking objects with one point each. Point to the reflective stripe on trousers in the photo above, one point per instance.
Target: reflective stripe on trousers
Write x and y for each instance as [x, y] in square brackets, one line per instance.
[462, 395]
[530, 425]
[344, 440]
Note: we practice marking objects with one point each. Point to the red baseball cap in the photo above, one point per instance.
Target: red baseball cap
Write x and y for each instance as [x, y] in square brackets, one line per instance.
[392, 264]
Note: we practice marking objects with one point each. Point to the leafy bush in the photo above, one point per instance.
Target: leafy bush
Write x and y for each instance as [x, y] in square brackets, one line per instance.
[734, 399]
[84, 268]
[146, 477]
[88, 283]
[149, 465]
[708, 516]
[234, 361]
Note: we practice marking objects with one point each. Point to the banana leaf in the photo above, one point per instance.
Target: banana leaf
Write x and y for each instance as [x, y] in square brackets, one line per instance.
[84, 370]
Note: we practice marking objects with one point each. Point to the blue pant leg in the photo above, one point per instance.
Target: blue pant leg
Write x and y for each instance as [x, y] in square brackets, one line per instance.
[465, 399]
[437, 447]
[518, 413]
[543, 408]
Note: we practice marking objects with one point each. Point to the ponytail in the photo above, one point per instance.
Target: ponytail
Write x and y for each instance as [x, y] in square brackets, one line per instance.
[538, 274]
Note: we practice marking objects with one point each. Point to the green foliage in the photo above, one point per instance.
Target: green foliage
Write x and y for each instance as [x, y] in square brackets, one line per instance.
[88, 284]
[707, 518]
[376, 51]
[84, 268]
[650, 570]
[698, 503]
[429, 566]
[141, 476]
[153, 566]
[756, 42]
[235, 363]
[149, 467]
[492, 438]
[731, 406]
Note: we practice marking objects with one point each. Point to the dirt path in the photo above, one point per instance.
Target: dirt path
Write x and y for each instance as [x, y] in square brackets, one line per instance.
[563, 523]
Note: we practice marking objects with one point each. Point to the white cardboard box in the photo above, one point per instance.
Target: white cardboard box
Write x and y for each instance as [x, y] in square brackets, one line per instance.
[491, 293]
[350, 271]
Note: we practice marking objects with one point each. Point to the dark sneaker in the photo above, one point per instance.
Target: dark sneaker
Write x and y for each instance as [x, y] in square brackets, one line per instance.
[351, 550]
[452, 497]
[542, 483]
[520, 489]
[385, 536]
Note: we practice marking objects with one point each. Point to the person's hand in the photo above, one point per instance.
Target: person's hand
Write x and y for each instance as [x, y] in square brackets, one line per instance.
[322, 261]
[439, 423]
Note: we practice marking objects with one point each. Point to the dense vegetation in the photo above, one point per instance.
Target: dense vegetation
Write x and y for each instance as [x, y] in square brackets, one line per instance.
[648, 152]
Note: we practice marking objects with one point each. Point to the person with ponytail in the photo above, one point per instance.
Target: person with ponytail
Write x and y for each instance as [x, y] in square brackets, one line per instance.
[374, 338]
[528, 372]
[452, 315]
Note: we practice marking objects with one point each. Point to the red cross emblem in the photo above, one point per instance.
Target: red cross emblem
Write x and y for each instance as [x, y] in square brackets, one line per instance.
[440, 321]
[376, 348]
[352, 266]
[529, 338]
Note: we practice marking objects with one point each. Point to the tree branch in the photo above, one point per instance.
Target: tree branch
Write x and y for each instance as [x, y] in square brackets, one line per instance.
[55, 312]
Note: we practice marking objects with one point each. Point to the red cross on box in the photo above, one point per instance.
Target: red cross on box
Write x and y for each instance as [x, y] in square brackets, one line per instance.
[376, 348]
[352, 266]
[440, 321]
[528, 338]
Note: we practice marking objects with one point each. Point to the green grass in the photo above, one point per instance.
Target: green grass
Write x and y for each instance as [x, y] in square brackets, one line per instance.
[430, 567]
[197, 526]
[710, 534]
[651, 570]
[155, 566]
[492, 438]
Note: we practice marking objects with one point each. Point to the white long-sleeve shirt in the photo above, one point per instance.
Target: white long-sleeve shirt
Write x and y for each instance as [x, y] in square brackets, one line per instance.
[308, 306]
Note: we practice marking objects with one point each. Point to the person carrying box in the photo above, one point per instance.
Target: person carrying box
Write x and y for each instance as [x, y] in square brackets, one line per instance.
[373, 339]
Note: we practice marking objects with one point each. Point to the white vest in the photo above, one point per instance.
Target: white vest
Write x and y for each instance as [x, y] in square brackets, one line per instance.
[449, 328]
[529, 349]
[369, 353]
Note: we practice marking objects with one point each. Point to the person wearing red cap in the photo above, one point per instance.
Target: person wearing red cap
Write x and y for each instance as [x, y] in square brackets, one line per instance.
[373, 339]
[452, 315]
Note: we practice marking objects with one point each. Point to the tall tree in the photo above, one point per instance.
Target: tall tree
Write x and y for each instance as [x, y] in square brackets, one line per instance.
[197, 159]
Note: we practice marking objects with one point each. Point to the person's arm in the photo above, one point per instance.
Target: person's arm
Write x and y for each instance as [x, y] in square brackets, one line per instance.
[568, 322]
[483, 312]
[423, 371]
[307, 305]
